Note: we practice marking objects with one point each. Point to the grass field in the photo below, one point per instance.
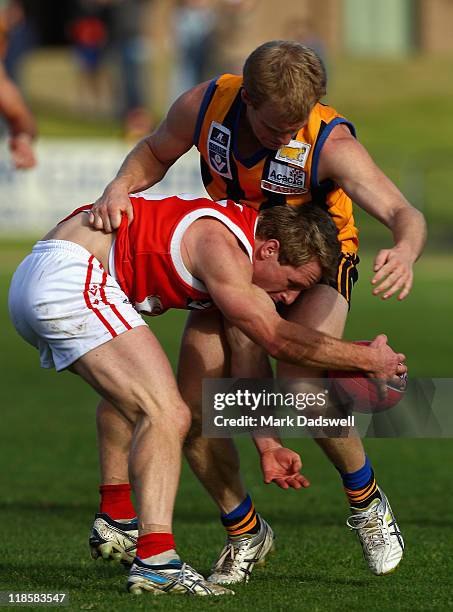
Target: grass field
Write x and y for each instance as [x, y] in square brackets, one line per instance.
[49, 483]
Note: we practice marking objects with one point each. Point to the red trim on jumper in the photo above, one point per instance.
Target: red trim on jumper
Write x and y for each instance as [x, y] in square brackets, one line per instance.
[76, 212]
[152, 544]
[86, 295]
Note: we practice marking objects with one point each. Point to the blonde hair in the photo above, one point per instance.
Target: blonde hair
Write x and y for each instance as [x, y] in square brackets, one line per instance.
[287, 74]
[304, 234]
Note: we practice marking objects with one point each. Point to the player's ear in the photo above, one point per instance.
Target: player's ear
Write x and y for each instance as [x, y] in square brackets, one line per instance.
[245, 97]
[270, 249]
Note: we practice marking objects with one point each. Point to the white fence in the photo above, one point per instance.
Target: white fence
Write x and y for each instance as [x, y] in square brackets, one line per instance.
[71, 173]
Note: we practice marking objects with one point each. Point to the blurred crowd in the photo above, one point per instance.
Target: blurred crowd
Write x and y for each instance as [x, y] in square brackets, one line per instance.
[116, 32]
[111, 43]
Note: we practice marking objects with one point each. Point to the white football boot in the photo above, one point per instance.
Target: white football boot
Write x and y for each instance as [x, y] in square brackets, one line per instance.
[379, 534]
[171, 577]
[113, 540]
[239, 556]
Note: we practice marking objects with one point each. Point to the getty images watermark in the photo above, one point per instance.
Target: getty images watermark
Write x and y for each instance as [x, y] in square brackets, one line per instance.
[258, 410]
[316, 408]
[263, 407]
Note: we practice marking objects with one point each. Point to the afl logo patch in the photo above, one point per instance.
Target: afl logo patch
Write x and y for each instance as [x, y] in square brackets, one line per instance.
[294, 153]
[219, 142]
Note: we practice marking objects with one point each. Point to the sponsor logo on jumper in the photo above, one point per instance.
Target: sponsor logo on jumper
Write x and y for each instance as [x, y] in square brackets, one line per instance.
[151, 305]
[284, 179]
[295, 153]
[281, 189]
[219, 142]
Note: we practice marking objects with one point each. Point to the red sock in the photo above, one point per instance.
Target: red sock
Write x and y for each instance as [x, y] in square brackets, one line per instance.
[116, 501]
[152, 544]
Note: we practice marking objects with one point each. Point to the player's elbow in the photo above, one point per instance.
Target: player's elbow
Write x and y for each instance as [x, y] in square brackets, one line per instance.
[261, 332]
[405, 214]
[275, 349]
[280, 350]
[270, 341]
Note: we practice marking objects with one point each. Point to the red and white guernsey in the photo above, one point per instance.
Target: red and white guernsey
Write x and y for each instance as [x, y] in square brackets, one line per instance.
[146, 258]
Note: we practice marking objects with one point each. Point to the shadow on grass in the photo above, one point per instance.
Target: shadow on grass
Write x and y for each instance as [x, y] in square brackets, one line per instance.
[302, 519]
[302, 579]
[275, 517]
[26, 506]
[428, 521]
[44, 575]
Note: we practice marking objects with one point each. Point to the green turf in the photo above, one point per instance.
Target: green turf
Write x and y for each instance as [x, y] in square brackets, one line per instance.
[49, 484]
[62, 124]
[391, 104]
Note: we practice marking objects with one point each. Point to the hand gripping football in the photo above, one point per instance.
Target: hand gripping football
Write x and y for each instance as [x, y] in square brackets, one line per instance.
[356, 390]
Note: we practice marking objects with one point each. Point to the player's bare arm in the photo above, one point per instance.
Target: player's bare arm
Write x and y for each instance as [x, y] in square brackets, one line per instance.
[278, 463]
[21, 124]
[149, 160]
[228, 278]
[282, 466]
[346, 161]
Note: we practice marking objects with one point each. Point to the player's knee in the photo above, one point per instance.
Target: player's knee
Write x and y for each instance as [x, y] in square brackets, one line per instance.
[182, 419]
[191, 394]
[195, 429]
[239, 343]
[142, 402]
[170, 412]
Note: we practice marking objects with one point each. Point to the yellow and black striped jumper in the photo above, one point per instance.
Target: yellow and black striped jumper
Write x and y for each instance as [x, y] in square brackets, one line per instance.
[273, 178]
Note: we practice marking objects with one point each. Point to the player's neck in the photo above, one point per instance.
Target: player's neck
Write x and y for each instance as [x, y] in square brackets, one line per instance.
[247, 142]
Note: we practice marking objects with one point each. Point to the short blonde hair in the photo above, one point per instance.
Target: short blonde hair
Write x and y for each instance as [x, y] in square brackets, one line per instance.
[288, 74]
[304, 233]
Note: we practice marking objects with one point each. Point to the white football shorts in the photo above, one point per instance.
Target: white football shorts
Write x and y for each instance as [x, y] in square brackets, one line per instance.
[64, 303]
